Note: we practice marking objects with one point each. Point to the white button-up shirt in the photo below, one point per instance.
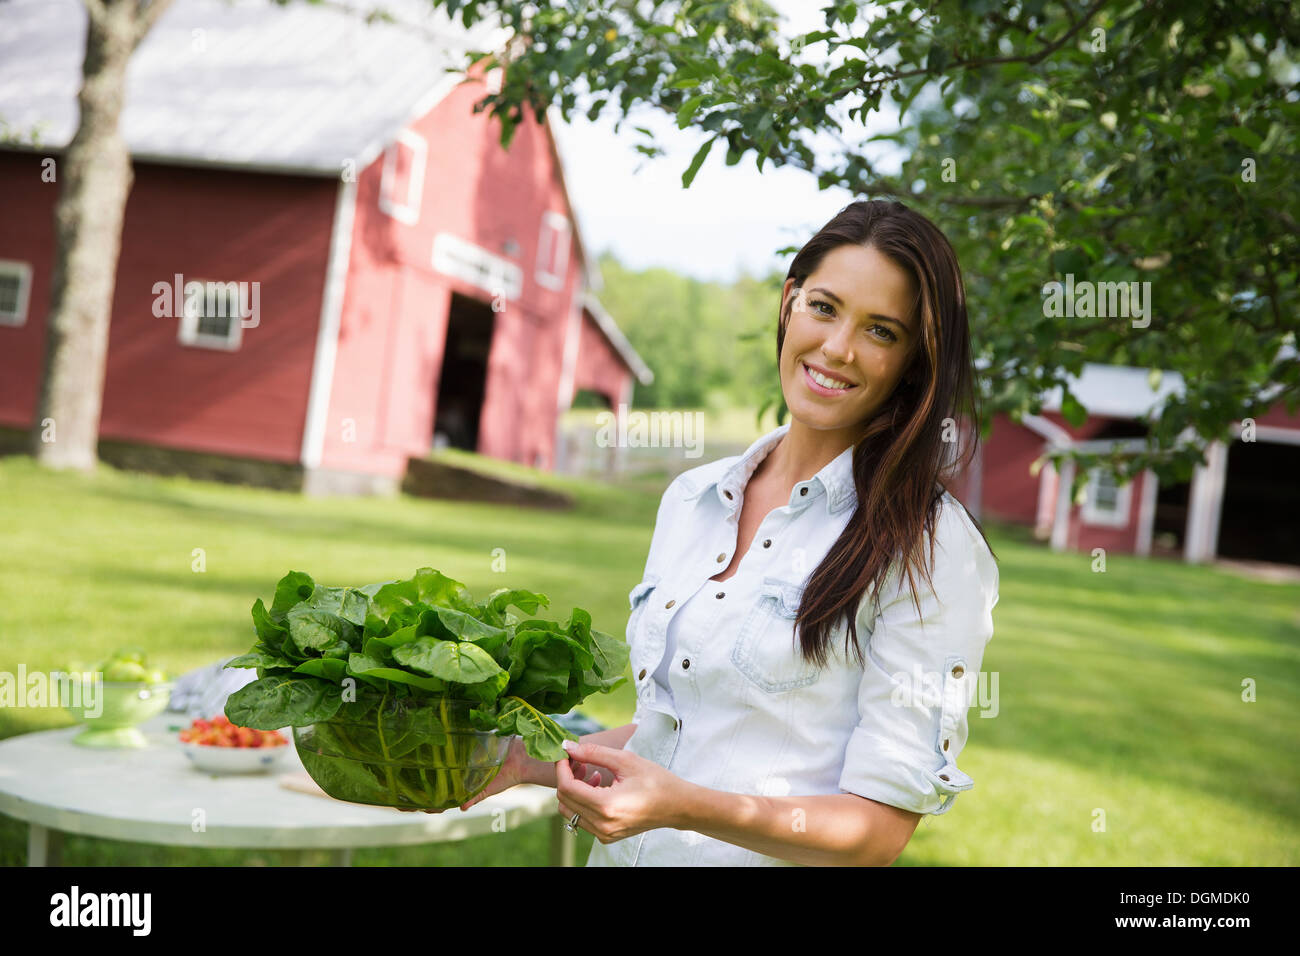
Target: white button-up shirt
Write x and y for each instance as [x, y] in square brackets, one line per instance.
[742, 712]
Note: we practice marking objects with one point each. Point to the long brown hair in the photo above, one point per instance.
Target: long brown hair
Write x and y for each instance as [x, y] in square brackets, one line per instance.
[903, 460]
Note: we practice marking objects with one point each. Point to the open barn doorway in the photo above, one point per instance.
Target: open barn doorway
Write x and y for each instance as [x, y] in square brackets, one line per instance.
[463, 381]
[1259, 520]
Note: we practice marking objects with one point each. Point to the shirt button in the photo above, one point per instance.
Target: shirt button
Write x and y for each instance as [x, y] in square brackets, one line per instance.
[670, 603]
[722, 557]
[727, 494]
[686, 662]
[767, 543]
[945, 743]
[958, 671]
[676, 723]
[803, 490]
[641, 676]
[720, 594]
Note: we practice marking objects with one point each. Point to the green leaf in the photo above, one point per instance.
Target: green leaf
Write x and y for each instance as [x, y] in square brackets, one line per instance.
[311, 629]
[293, 588]
[687, 110]
[542, 736]
[609, 658]
[283, 701]
[361, 665]
[697, 161]
[270, 633]
[542, 661]
[459, 662]
[434, 587]
[489, 690]
[260, 659]
[450, 624]
[330, 668]
[1072, 411]
[526, 601]
[1246, 137]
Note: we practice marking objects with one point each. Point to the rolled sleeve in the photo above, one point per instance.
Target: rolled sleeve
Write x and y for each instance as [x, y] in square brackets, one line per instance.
[921, 674]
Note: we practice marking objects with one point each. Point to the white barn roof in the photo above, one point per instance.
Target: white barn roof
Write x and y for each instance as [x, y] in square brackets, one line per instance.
[245, 83]
[1117, 391]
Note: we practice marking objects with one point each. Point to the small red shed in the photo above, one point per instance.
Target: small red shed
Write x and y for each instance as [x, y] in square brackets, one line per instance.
[1240, 504]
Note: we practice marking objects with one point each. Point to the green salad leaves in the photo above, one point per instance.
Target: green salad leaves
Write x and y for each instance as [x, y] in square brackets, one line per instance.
[324, 652]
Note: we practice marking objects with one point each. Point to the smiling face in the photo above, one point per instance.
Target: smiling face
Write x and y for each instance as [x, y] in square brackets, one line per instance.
[852, 323]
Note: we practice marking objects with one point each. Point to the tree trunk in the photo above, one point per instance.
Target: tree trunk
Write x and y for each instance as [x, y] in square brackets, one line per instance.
[96, 178]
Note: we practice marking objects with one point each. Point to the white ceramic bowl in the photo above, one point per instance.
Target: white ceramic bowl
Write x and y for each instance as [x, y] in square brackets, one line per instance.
[212, 759]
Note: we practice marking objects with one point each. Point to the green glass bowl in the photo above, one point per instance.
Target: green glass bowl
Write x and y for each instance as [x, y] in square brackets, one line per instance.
[123, 706]
[416, 754]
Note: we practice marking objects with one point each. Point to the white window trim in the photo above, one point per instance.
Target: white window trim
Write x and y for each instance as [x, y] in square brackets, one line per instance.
[409, 211]
[188, 329]
[557, 226]
[23, 271]
[1092, 515]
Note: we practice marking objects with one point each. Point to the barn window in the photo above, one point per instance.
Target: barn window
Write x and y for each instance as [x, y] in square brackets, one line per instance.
[401, 182]
[1107, 503]
[214, 319]
[15, 286]
[553, 251]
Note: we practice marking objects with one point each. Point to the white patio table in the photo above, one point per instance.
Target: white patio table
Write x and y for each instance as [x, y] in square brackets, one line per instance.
[151, 795]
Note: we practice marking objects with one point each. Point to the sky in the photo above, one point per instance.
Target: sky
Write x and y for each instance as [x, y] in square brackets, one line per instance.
[731, 218]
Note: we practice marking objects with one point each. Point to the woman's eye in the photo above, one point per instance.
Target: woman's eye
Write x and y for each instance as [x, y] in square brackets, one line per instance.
[817, 303]
[891, 336]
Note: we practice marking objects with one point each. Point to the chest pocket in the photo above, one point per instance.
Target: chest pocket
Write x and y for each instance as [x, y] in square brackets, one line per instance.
[766, 651]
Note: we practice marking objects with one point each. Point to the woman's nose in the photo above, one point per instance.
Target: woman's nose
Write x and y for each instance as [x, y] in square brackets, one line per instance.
[837, 346]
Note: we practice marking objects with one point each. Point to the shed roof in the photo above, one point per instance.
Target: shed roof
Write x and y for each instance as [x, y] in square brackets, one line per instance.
[248, 83]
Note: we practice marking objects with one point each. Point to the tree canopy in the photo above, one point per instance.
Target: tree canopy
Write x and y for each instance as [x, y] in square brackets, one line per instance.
[1080, 143]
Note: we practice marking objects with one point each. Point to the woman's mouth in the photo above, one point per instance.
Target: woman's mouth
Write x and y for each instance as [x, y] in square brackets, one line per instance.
[824, 384]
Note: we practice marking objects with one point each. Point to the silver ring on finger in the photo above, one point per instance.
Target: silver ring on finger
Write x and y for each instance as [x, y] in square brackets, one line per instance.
[572, 825]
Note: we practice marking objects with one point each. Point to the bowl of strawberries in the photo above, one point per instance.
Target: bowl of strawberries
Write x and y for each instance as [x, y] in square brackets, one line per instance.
[218, 746]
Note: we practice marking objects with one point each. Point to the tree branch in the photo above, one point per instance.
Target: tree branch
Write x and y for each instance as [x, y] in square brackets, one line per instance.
[1030, 59]
[147, 13]
[96, 10]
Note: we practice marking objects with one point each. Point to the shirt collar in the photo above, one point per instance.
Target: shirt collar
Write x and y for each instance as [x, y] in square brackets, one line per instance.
[731, 475]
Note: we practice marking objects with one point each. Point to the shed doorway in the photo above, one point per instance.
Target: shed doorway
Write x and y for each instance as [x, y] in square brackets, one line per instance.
[463, 381]
[1259, 521]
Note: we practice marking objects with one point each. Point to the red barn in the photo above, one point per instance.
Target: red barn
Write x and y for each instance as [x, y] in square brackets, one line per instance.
[327, 257]
[1241, 504]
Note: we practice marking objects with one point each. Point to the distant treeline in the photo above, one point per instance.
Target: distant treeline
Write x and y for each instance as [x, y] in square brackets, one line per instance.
[709, 344]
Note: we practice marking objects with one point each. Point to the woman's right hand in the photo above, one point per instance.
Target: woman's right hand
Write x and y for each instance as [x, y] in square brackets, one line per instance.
[512, 773]
[521, 768]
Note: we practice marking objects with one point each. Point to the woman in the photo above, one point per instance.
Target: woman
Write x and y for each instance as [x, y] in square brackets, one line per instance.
[757, 739]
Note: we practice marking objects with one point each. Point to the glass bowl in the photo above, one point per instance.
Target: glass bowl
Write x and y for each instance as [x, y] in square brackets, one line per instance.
[125, 705]
[412, 753]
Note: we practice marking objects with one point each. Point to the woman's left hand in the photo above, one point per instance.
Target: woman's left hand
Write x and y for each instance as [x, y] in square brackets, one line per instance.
[643, 796]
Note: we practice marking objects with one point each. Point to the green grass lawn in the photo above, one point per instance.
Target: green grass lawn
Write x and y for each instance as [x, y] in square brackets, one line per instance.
[1119, 694]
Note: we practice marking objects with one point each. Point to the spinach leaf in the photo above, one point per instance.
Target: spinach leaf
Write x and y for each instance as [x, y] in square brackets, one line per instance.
[293, 588]
[461, 662]
[261, 660]
[283, 700]
[361, 665]
[542, 736]
[313, 630]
